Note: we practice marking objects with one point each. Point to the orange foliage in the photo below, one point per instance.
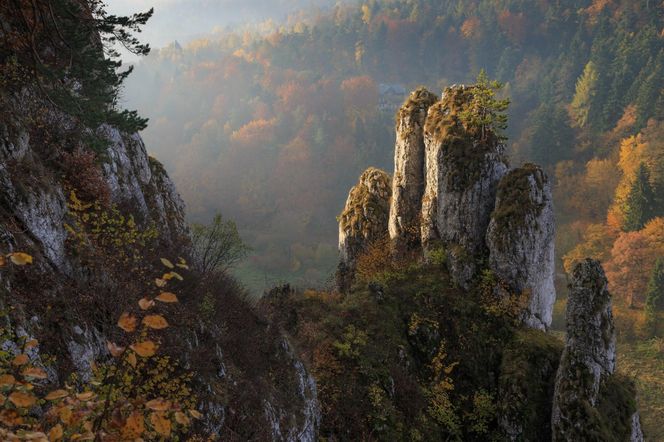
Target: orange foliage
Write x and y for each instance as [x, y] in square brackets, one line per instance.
[632, 259]
[360, 93]
[472, 28]
[255, 133]
[513, 25]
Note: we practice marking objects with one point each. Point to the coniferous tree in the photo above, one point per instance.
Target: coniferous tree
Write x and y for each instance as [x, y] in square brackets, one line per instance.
[586, 88]
[67, 48]
[655, 295]
[639, 204]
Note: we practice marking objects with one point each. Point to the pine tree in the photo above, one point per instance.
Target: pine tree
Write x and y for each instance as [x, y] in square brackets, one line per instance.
[655, 295]
[68, 49]
[638, 206]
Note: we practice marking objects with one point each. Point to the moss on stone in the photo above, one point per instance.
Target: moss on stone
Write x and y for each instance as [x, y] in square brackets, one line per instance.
[417, 104]
[526, 383]
[368, 204]
[515, 204]
[462, 146]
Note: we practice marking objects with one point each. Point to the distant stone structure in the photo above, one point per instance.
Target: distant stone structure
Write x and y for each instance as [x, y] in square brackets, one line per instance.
[390, 97]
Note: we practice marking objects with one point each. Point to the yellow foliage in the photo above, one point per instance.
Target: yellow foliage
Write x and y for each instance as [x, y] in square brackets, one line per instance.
[20, 258]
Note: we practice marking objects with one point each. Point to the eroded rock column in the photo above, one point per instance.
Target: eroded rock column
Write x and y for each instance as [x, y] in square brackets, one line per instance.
[462, 170]
[521, 238]
[363, 221]
[408, 181]
[586, 382]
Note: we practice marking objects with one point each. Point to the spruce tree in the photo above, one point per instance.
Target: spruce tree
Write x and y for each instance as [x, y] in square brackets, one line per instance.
[638, 206]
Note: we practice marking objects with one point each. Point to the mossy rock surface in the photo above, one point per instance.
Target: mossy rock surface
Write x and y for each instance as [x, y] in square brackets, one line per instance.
[417, 104]
[516, 209]
[464, 148]
[368, 205]
[527, 382]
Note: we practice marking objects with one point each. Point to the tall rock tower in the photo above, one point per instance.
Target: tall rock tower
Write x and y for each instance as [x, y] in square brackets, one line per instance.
[521, 238]
[585, 381]
[462, 169]
[408, 181]
[363, 220]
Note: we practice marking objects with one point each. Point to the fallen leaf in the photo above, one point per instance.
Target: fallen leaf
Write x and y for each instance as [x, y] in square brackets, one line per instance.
[156, 322]
[195, 414]
[134, 427]
[56, 433]
[160, 283]
[86, 396]
[131, 358]
[127, 322]
[167, 298]
[146, 304]
[34, 372]
[171, 275]
[65, 414]
[56, 394]
[182, 418]
[145, 349]
[7, 380]
[21, 359]
[160, 423]
[31, 343]
[158, 404]
[114, 349]
[20, 258]
[167, 263]
[22, 400]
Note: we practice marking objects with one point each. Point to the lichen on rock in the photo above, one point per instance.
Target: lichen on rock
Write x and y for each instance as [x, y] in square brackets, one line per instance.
[521, 238]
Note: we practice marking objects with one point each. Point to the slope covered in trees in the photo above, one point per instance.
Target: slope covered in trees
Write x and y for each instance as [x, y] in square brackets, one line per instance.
[271, 127]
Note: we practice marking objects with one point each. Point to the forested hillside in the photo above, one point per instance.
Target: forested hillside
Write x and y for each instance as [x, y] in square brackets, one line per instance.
[272, 129]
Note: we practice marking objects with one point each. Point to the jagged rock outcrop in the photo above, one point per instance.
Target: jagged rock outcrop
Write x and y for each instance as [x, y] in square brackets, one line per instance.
[408, 181]
[586, 383]
[365, 215]
[462, 174]
[521, 238]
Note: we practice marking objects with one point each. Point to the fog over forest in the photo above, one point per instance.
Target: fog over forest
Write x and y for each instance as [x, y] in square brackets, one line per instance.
[184, 20]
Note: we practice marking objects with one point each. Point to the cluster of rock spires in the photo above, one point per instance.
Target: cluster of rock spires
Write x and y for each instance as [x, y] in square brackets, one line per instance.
[454, 191]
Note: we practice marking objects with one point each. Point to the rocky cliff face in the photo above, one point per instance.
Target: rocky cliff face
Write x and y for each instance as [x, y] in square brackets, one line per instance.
[365, 215]
[521, 238]
[586, 381]
[408, 181]
[39, 169]
[462, 175]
